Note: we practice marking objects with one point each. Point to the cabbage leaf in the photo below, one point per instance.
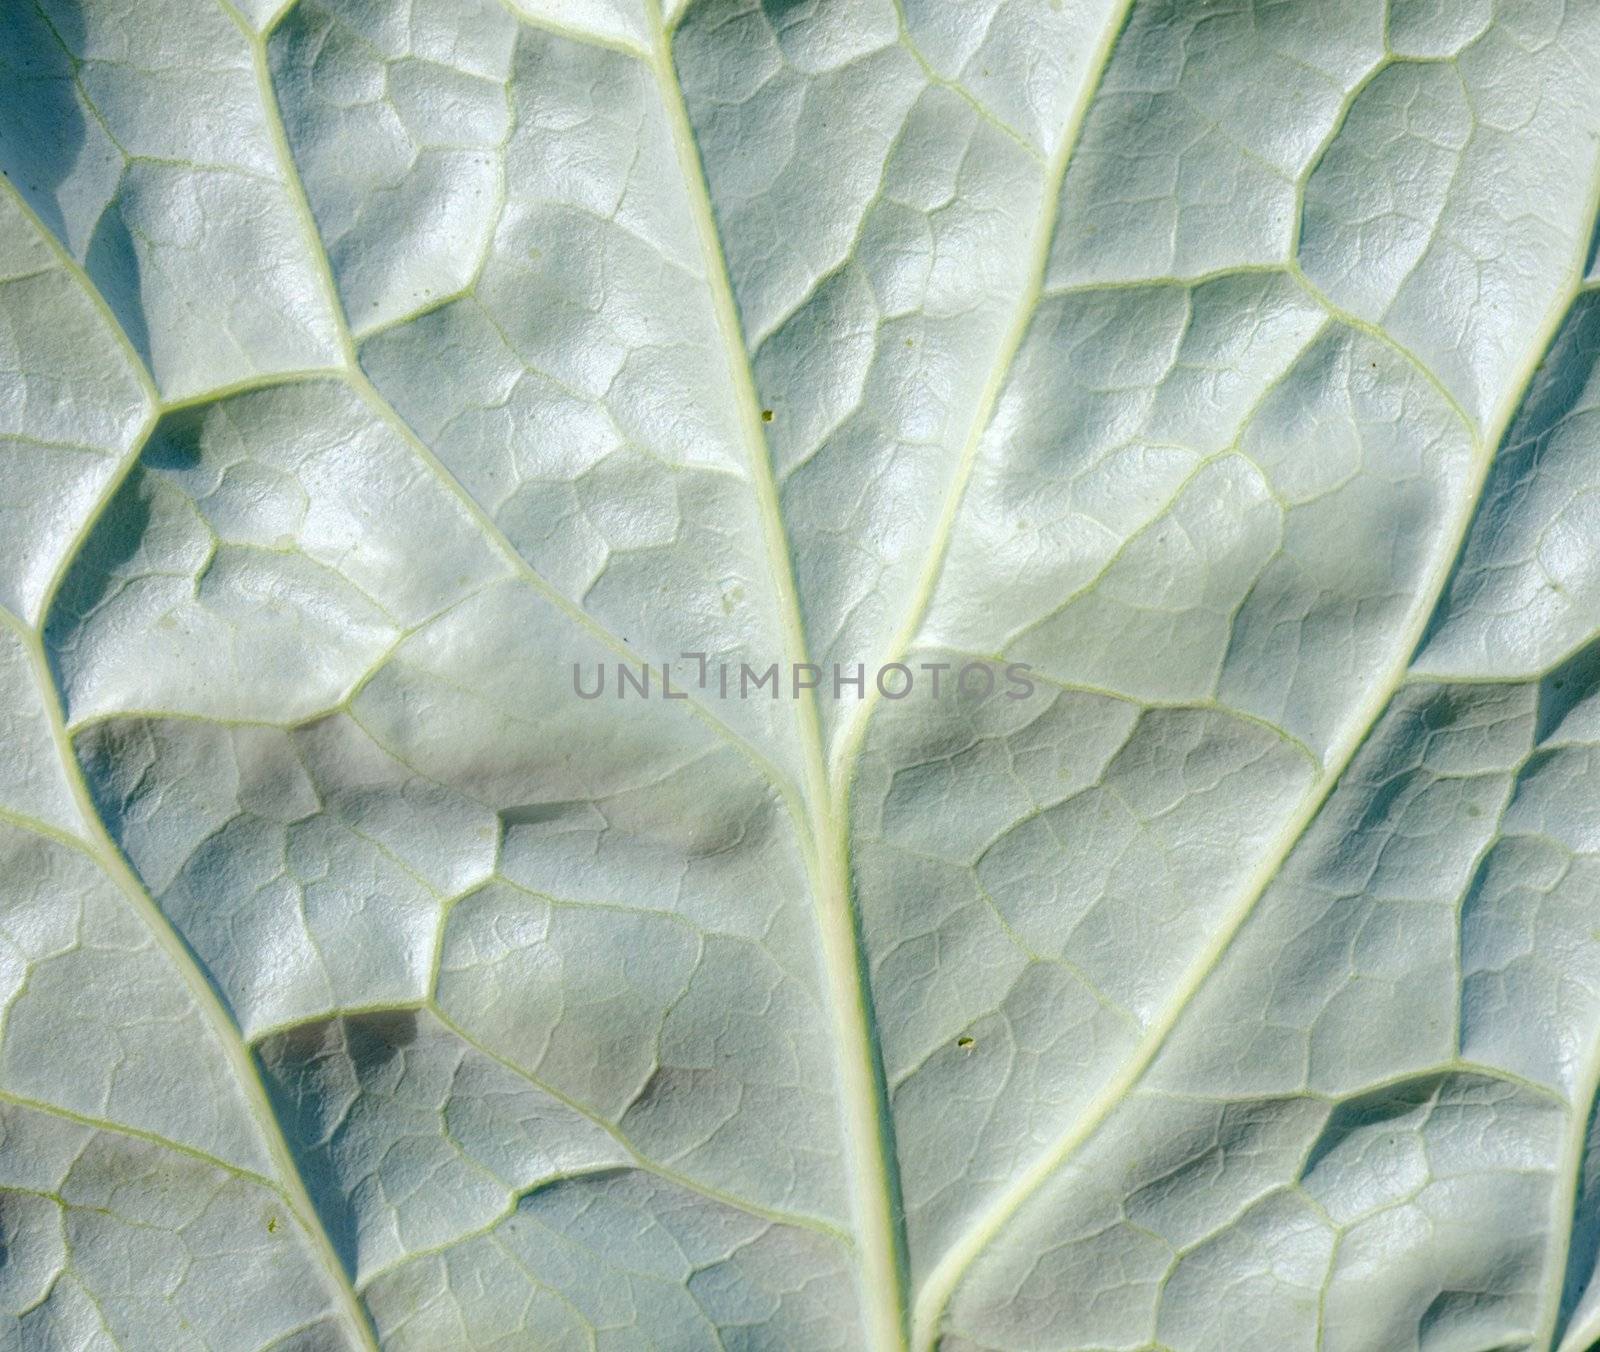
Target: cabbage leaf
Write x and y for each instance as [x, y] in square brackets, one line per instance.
[1218, 380]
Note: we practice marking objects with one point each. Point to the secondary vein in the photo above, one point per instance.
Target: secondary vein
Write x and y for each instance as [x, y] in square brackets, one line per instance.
[947, 1274]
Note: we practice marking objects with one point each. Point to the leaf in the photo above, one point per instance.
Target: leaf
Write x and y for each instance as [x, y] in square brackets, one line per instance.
[1205, 395]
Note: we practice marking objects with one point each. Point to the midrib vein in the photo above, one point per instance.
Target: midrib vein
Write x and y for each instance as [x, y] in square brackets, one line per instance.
[947, 1273]
[879, 1244]
[837, 779]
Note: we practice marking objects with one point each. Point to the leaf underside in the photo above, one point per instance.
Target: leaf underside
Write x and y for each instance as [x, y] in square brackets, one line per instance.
[368, 365]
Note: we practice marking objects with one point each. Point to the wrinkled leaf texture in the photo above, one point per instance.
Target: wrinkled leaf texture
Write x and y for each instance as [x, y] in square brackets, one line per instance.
[365, 364]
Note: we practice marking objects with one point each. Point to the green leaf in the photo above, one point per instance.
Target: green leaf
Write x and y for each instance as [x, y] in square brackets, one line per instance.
[1205, 394]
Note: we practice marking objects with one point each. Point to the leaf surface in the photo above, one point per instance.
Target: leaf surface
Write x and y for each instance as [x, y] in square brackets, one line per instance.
[370, 372]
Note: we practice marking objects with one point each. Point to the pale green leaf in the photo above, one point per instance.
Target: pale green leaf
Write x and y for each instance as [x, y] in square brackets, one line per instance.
[368, 369]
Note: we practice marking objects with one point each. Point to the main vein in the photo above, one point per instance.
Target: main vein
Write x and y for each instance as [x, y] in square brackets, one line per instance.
[868, 1134]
